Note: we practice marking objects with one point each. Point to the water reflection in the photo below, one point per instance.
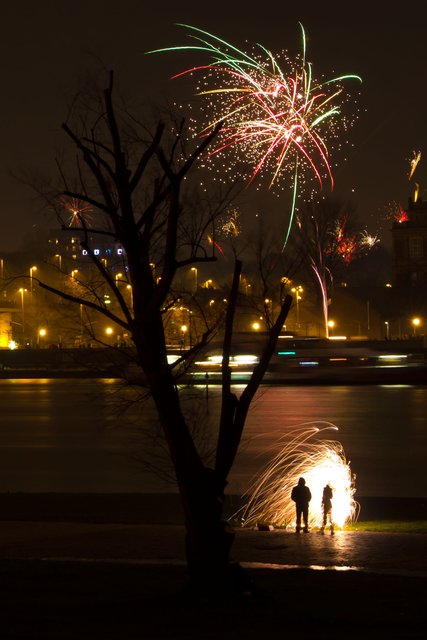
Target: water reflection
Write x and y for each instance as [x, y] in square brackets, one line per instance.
[66, 435]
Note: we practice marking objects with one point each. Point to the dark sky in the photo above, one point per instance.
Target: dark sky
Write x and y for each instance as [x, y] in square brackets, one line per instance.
[46, 46]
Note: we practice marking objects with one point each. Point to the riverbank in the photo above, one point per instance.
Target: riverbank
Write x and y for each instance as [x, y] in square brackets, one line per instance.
[309, 361]
[112, 567]
[62, 581]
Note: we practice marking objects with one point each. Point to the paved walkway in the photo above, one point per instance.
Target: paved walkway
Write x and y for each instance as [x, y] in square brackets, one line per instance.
[62, 581]
[390, 553]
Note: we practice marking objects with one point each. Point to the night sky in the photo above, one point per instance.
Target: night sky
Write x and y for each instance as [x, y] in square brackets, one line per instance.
[46, 48]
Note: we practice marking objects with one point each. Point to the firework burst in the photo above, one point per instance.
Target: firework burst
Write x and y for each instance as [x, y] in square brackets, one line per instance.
[79, 213]
[303, 453]
[367, 240]
[230, 226]
[277, 119]
[347, 246]
[396, 213]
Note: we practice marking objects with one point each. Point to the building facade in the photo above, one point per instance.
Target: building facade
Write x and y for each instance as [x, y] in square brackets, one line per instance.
[409, 238]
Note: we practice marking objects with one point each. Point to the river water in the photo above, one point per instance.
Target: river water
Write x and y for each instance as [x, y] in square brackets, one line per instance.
[60, 435]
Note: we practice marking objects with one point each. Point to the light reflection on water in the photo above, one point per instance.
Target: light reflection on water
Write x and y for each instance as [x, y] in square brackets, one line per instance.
[62, 435]
[313, 567]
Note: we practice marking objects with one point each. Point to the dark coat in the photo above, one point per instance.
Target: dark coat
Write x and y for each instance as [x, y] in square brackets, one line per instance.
[301, 494]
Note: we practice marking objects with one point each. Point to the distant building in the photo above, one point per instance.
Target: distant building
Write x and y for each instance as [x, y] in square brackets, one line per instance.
[409, 237]
[66, 252]
[6, 311]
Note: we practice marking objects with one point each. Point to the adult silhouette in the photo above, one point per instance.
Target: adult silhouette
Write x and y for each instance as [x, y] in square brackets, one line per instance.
[327, 508]
[301, 495]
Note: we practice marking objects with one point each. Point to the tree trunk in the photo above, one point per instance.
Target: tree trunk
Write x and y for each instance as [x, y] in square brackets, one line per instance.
[209, 537]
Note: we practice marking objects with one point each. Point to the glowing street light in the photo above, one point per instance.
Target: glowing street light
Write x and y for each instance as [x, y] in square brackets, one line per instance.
[184, 330]
[129, 288]
[22, 291]
[31, 280]
[297, 290]
[41, 334]
[81, 322]
[415, 323]
[194, 270]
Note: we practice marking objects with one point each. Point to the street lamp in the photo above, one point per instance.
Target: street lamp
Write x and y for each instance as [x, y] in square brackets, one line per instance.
[40, 334]
[81, 323]
[194, 269]
[297, 290]
[387, 330]
[183, 331]
[22, 291]
[331, 325]
[31, 280]
[415, 323]
[129, 288]
[109, 331]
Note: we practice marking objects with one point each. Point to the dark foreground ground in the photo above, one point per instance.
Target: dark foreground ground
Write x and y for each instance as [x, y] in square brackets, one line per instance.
[94, 577]
[70, 600]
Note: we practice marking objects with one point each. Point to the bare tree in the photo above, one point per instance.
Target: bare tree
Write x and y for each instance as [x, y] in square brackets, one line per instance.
[137, 186]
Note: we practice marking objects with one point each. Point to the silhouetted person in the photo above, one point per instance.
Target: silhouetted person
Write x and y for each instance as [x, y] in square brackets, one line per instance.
[327, 508]
[301, 495]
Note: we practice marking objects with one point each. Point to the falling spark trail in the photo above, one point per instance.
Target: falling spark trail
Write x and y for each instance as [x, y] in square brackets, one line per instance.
[304, 453]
